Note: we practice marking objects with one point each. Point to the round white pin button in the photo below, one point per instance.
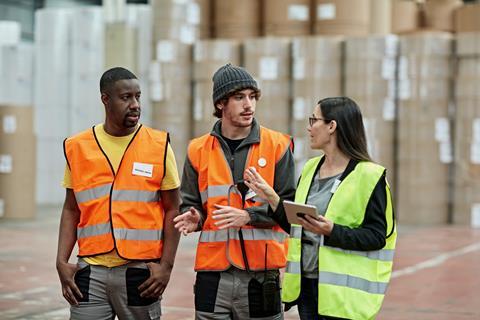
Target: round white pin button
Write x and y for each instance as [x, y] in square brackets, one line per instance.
[262, 162]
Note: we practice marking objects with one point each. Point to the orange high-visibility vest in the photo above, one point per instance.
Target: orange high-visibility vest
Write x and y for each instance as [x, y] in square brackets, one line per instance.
[122, 210]
[217, 250]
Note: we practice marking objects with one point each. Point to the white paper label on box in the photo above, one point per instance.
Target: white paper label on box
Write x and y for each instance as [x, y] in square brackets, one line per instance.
[193, 13]
[268, 68]
[388, 109]
[155, 72]
[299, 148]
[142, 169]
[475, 215]
[299, 108]
[2, 208]
[391, 45]
[404, 89]
[197, 110]
[156, 91]
[445, 151]
[9, 124]
[165, 51]
[295, 49]
[299, 69]
[326, 11]
[476, 130]
[403, 67]
[187, 34]
[388, 68]
[298, 12]
[442, 130]
[5, 163]
[475, 153]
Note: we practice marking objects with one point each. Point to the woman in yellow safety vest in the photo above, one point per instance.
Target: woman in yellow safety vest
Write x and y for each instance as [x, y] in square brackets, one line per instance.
[339, 264]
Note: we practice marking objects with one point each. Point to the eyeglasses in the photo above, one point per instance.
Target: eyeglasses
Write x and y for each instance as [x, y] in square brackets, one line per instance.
[312, 120]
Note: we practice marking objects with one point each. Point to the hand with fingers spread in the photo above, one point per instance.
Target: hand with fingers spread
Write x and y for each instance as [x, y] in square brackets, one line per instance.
[66, 273]
[227, 216]
[255, 181]
[321, 225]
[188, 221]
[154, 286]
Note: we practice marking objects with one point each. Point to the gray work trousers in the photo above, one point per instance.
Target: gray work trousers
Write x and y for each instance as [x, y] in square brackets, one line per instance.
[110, 292]
[235, 294]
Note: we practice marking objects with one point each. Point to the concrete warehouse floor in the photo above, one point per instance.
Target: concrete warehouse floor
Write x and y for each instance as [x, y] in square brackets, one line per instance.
[435, 277]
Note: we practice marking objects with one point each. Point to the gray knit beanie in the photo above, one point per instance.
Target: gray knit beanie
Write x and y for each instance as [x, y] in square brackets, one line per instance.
[230, 78]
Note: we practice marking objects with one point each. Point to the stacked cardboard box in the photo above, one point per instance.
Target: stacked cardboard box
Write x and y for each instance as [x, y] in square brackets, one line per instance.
[317, 74]
[466, 18]
[370, 79]
[381, 16]
[208, 56]
[342, 17]
[405, 16]
[286, 17]
[439, 14]
[268, 61]
[184, 20]
[467, 131]
[170, 87]
[17, 162]
[424, 135]
[232, 20]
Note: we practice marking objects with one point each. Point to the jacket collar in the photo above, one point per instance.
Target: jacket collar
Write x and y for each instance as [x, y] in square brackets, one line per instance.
[252, 138]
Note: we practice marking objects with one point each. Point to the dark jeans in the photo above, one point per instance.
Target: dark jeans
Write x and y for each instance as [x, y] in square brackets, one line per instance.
[308, 301]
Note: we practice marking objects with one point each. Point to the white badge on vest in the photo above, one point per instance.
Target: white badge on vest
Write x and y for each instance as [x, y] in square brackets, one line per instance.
[142, 169]
[335, 185]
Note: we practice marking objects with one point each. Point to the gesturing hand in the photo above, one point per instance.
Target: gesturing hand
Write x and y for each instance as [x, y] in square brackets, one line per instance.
[255, 181]
[188, 221]
[227, 216]
[66, 273]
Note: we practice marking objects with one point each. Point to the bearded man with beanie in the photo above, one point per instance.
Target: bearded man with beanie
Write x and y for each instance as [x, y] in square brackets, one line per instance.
[240, 248]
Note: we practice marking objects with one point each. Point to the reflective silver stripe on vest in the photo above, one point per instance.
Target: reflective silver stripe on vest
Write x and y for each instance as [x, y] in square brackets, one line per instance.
[293, 267]
[94, 230]
[296, 232]
[382, 255]
[136, 195]
[137, 234]
[352, 282]
[248, 234]
[216, 191]
[93, 193]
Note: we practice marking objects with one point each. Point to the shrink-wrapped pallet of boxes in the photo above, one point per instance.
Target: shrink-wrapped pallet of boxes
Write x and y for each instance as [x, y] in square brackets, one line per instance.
[17, 162]
[316, 74]
[466, 208]
[232, 20]
[208, 56]
[268, 61]
[53, 61]
[370, 80]
[424, 134]
[286, 17]
[171, 94]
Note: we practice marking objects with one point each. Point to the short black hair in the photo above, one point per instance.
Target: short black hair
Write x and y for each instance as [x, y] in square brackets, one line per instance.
[112, 75]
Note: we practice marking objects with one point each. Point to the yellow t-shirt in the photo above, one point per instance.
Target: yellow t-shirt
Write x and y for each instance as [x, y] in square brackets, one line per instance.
[114, 148]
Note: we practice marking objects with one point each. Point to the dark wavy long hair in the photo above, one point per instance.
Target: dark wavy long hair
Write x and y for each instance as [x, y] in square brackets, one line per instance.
[351, 136]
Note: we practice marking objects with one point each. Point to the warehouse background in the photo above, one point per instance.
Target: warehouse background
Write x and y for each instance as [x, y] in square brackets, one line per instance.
[412, 66]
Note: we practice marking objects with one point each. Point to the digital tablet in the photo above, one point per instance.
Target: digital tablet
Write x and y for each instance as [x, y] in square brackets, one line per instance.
[294, 210]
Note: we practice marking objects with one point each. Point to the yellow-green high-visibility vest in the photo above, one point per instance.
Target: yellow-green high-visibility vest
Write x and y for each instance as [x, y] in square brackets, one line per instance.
[351, 284]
